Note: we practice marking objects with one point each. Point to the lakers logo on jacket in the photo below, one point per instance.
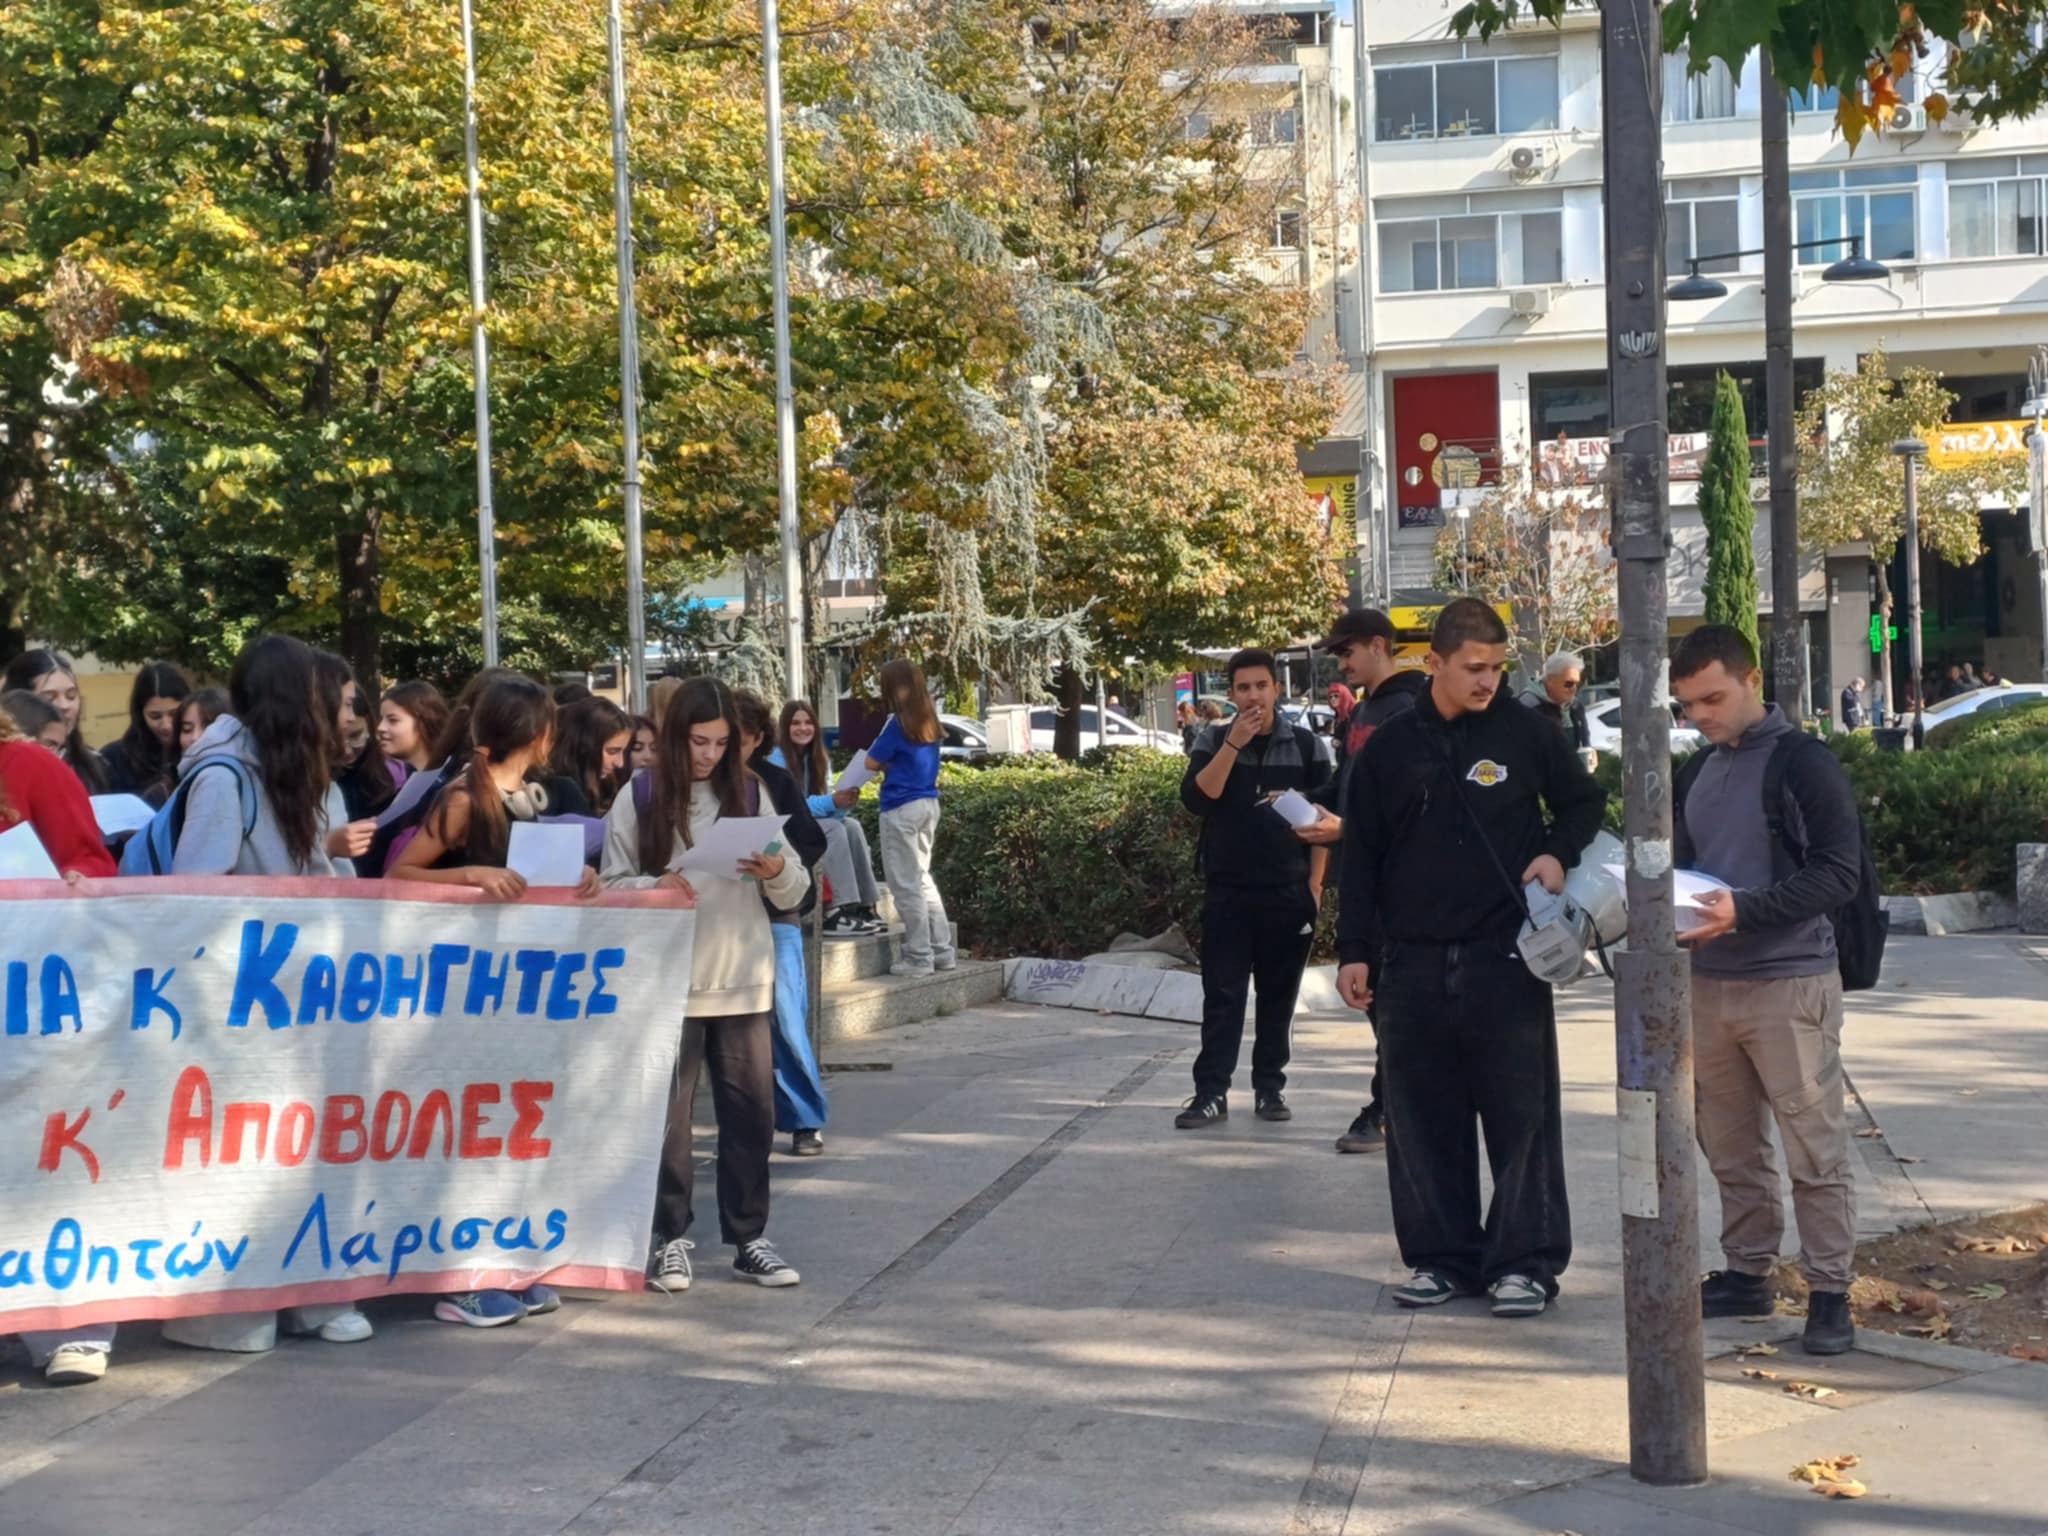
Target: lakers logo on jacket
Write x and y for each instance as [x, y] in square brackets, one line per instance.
[1486, 773]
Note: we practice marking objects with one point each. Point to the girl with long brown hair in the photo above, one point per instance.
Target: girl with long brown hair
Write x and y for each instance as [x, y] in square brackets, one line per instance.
[145, 761]
[700, 778]
[800, 749]
[906, 754]
[410, 720]
[588, 761]
[50, 674]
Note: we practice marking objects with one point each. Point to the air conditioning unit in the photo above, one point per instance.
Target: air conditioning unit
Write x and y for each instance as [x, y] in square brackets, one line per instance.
[1527, 161]
[1528, 303]
[1907, 118]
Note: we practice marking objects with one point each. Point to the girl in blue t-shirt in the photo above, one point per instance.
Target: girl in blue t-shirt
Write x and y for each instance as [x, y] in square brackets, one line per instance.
[906, 754]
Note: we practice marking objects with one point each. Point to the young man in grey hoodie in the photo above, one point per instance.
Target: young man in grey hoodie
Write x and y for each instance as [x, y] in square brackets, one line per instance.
[1766, 988]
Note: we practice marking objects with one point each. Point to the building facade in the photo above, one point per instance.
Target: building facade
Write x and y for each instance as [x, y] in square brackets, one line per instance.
[1482, 314]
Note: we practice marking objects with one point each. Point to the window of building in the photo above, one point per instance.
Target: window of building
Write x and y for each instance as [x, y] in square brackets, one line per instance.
[1287, 230]
[1875, 203]
[1466, 97]
[1487, 240]
[1996, 207]
[1813, 98]
[1575, 404]
[1700, 221]
[1690, 98]
[1195, 126]
[1274, 127]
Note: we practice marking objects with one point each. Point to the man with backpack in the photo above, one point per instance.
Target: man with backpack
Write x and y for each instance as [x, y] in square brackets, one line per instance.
[1768, 811]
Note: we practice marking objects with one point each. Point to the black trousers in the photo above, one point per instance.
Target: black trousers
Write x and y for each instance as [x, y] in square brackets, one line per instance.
[739, 1050]
[1468, 1042]
[1252, 937]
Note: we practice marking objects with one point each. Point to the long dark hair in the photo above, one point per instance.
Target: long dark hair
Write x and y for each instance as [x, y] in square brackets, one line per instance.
[699, 701]
[287, 706]
[755, 720]
[429, 710]
[907, 698]
[148, 757]
[814, 772]
[453, 743]
[584, 727]
[367, 774]
[211, 703]
[30, 668]
[510, 715]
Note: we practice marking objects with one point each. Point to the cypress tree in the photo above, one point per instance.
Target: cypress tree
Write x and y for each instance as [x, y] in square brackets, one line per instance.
[1730, 517]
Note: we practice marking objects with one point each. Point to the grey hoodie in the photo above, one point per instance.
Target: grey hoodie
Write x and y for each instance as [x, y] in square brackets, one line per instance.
[212, 840]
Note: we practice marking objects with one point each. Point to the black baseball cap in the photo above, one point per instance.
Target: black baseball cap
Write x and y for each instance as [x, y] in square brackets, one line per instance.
[1358, 624]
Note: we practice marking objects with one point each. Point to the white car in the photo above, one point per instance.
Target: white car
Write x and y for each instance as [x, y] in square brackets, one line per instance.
[962, 740]
[1975, 702]
[1123, 731]
[1603, 722]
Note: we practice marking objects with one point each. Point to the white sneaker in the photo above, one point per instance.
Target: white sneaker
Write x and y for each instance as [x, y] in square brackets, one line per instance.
[349, 1327]
[73, 1365]
[670, 1271]
[905, 968]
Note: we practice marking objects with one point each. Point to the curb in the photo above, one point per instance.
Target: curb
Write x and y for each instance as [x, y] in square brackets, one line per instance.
[1955, 912]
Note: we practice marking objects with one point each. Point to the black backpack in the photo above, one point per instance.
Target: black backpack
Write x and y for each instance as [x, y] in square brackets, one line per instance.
[1861, 924]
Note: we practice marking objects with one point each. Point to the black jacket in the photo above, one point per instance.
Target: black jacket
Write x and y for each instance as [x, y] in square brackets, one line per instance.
[806, 838]
[1245, 843]
[1817, 866]
[1394, 696]
[1414, 867]
[1571, 721]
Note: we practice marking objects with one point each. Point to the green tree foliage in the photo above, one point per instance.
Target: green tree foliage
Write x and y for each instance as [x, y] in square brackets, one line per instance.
[1725, 507]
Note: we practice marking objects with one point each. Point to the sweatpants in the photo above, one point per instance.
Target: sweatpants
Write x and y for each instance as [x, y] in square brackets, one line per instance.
[1764, 1050]
[1255, 939]
[738, 1051]
[799, 1088]
[847, 863]
[1468, 1043]
[908, 833]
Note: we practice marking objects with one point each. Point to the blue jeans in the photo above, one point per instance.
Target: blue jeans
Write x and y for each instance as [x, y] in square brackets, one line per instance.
[799, 1091]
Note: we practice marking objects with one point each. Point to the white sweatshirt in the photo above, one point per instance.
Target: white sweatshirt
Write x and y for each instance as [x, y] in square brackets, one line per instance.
[732, 969]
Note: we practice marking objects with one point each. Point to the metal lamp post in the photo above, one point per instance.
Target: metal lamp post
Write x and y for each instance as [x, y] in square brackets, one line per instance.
[1465, 549]
[1913, 450]
[480, 353]
[785, 393]
[629, 370]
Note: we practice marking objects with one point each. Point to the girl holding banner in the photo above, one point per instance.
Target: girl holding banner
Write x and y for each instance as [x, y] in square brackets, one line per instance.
[700, 778]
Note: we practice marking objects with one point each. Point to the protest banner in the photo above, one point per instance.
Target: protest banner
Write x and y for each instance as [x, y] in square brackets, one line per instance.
[238, 1094]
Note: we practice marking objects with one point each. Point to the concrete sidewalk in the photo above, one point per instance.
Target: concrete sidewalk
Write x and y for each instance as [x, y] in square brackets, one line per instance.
[1031, 1306]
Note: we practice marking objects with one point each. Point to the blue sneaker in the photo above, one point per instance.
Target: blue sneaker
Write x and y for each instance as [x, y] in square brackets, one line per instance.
[538, 1299]
[480, 1309]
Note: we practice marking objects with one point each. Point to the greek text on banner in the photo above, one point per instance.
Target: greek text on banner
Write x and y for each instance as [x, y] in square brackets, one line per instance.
[237, 1094]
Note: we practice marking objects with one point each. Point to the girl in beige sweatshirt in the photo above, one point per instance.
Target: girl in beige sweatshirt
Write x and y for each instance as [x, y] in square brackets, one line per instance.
[697, 780]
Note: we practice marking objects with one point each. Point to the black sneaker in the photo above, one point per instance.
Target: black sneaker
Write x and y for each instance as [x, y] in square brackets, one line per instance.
[1727, 1293]
[806, 1144]
[1203, 1109]
[1368, 1132]
[844, 925]
[759, 1262]
[1271, 1106]
[1829, 1328]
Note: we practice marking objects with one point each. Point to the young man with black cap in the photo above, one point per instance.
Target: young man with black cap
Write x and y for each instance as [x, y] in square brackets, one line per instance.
[1264, 888]
[1444, 823]
[1362, 642]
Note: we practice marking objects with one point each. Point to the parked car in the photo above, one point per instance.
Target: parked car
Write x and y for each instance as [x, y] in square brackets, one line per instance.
[1319, 718]
[1604, 722]
[962, 740]
[1976, 701]
[1123, 731]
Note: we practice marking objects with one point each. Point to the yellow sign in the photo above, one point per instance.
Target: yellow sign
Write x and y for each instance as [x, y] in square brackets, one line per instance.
[1962, 444]
[1341, 492]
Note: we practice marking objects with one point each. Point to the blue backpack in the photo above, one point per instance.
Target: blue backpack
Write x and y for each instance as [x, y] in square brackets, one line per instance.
[150, 849]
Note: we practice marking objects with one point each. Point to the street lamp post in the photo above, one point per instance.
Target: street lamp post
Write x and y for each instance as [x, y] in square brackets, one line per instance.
[629, 368]
[1667, 1414]
[1913, 450]
[1465, 549]
[480, 353]
[785, 393]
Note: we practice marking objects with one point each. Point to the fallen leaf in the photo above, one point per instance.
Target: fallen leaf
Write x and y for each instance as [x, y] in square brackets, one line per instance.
[2029, 1351]
[1827, 1469]
[1758, 1373]
[1870, 1132]
[1993, 1245]
[1810, 1389]
[1937, 1285]
[1758, 1348]
[1924, 1303]
[1851, 1489]
[1988, 1291]
[1936, 1327]
[1787, 1307]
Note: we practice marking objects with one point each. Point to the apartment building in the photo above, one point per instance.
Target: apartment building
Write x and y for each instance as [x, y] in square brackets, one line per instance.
[1482, 317]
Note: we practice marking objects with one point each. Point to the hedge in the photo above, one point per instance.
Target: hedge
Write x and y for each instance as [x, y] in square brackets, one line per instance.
[1056, 859]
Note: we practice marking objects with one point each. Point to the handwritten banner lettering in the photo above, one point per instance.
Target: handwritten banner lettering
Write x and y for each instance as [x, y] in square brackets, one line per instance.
[230, 1095]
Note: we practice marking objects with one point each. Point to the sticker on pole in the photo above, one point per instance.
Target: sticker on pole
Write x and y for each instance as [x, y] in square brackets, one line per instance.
[1636, 1117]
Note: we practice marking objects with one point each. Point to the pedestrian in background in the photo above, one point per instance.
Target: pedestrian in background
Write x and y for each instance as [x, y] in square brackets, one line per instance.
[1852, 705]
[906, 754]
[1555, 696]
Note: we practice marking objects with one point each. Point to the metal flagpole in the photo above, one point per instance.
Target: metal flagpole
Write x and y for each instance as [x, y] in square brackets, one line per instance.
[785, 394]
[629, 372]
[480, 351]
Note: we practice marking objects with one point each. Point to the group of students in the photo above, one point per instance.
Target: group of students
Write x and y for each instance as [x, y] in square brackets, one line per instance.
[282, 774]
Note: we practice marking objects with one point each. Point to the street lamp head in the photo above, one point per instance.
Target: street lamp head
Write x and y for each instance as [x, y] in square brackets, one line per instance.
[1693, 287]
[1910, 448]
[1855, 268]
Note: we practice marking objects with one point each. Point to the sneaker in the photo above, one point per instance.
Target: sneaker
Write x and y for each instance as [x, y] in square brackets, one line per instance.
[670, 1271]
[842, 924]
[1271, 1106]
[539, 1300]
[73, 1365]
[1368, 1132]
[806, 1144]
[875, 921]
[350, 1327]
[1424, 1288]
[1517, 1296]
[1730, 1293]
[1203, 1109]
[950, 963]
[1829, 1328]
[759, 1262]
[480, 1309]
[905, 968]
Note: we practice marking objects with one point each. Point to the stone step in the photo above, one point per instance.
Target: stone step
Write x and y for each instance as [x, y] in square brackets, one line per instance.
[855, 1008]
[845, 960]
